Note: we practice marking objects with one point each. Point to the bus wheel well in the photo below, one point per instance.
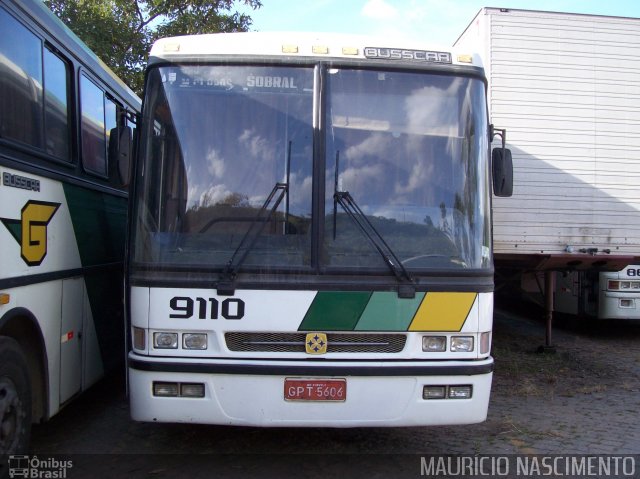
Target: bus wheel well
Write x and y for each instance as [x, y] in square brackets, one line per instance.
[20, 325]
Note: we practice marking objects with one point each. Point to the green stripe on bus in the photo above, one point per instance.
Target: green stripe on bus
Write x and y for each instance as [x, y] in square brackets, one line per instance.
[335, 311]
[99, 223]
[386, 312]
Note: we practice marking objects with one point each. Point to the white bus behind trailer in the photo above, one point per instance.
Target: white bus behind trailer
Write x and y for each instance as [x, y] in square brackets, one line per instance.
[64, 119]
[312, 234]
[620, 294]
[565, 86]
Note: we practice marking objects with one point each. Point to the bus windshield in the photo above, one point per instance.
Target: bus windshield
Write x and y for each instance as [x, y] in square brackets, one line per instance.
[247, 165]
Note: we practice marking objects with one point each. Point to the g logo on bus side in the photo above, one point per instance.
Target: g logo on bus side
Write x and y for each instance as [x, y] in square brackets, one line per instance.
[30, 231]
[184, 307]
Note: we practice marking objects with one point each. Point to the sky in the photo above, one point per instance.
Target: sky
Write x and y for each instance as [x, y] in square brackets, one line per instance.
[429, 21]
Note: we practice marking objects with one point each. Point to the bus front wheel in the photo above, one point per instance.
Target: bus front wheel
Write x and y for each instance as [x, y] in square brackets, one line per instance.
[15, 398]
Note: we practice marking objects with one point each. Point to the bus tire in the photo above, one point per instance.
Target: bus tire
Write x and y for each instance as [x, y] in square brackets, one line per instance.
[15, 398]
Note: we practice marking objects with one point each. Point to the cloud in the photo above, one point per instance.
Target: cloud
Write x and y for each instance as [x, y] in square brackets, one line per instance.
[379, 9]
[215, 163]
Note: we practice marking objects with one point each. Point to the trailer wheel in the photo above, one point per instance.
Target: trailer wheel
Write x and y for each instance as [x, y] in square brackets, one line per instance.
[15, 398]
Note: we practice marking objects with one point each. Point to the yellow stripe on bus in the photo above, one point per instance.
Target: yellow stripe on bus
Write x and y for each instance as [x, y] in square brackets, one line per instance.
[443, 312]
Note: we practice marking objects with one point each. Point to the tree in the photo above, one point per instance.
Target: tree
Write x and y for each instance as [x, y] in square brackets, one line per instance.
[121, 32]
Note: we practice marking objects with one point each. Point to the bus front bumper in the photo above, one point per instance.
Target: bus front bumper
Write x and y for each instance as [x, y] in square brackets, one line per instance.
[252, 393]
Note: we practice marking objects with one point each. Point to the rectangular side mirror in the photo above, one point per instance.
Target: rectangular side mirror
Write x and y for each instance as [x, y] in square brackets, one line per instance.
[120, 146]
[502, 170]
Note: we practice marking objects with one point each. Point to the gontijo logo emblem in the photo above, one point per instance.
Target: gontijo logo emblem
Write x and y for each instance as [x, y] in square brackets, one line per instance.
[30, 231]
[316, 343]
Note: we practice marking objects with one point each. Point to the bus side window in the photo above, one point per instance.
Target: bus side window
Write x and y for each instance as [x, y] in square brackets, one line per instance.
[94, 141]
[56, 119]
[20, 83]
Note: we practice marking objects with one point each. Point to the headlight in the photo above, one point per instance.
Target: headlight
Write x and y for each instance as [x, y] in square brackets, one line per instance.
[461, 344]
[194, 341]
[434, 344]
[165, 340]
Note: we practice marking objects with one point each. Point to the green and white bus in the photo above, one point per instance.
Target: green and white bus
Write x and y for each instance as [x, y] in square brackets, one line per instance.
[65, 136]
[311, 233]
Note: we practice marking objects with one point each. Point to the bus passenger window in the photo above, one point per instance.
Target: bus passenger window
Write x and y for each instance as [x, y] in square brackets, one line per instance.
[94, 143]
[20, 83]
[56, 90]
[110, 117]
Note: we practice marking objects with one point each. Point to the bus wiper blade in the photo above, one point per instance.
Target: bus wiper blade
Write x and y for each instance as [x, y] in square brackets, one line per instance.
[406, 288]
[225, 286]
[349, 205]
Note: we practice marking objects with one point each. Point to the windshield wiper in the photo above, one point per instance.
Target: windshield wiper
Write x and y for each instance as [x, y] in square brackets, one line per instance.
[406, 287]
[226, 285]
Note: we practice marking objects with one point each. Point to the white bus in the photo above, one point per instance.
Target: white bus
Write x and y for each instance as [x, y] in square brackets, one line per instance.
[63, 210]
[619, 294]
[312, 234]
[599, 294]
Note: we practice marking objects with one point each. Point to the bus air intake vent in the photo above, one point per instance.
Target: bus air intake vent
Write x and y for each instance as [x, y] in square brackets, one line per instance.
[294, 342]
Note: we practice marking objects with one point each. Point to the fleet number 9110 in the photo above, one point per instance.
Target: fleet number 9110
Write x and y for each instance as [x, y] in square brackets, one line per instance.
[184, 307]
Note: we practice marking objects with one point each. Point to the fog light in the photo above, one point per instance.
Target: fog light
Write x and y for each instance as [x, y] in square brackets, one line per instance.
[139, 338]
[434, 392]
[460, 392]
[462, 344]
[165, 389]
[194, 341]
[192, 390]
[485, 343]
[434, 344]
[626, 303]
[165, 340]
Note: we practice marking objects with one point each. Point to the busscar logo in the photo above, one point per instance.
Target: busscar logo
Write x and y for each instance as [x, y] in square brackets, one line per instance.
[30, 231]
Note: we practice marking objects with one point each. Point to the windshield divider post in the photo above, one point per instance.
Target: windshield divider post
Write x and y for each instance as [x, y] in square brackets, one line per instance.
[287, 230]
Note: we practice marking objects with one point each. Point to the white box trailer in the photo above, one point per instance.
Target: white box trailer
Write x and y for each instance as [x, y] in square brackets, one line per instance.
[566, 88]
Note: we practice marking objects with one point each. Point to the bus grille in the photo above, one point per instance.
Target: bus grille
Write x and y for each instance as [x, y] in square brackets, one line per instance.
[337, 342]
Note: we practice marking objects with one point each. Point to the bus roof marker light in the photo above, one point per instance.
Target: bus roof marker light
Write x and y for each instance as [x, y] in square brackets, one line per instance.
[289, 48]
[320, 49]
[171, 47]
[350, 51]
[465, 58]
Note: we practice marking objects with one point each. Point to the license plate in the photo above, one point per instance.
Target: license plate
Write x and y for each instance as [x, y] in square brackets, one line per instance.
[315, 389]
